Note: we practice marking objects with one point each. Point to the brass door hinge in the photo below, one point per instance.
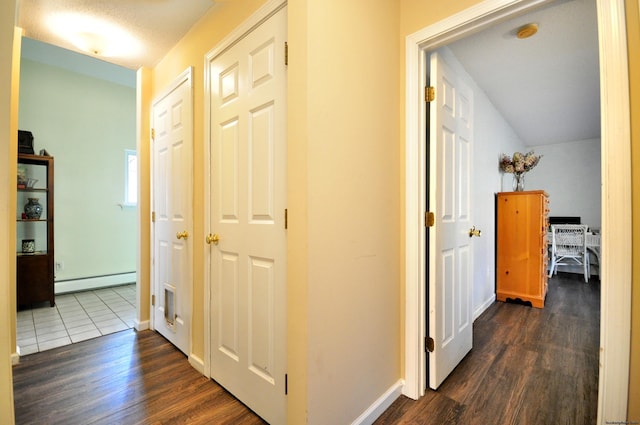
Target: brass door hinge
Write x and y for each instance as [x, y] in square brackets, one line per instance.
[286, 53]
[286, 218]
[429, 219]
[286, 384]
[429, 94]
[153, 217]
[429, 344]
[153, 134]
[153, 300]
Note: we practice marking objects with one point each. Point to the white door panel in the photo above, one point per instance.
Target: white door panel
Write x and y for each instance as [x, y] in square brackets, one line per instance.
[172, 147]
[450, 247]
[248, 199]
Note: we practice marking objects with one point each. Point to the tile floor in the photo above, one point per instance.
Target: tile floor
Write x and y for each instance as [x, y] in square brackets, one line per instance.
[76, 317]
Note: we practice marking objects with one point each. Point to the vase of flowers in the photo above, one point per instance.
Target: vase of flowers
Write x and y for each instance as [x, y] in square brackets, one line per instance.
[518, 165]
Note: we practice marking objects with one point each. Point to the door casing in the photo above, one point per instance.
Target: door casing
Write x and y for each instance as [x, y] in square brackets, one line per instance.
[616, 190]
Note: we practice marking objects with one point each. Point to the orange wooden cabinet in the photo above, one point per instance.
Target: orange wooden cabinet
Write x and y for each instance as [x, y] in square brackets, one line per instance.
[521, 245]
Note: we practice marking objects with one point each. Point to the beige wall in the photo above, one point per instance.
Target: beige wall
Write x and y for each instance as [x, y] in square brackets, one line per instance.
[144, 81]
[344, 179]
[633, 38]
[9, 87]
[297, 197]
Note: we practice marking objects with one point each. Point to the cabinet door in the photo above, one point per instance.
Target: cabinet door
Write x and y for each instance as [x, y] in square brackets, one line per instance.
[32, 273]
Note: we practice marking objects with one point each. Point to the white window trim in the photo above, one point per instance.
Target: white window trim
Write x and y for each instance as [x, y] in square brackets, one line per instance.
[127, 184]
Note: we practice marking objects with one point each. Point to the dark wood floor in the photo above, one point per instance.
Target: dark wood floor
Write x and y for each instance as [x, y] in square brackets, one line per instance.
[124, 378]
[527, 366]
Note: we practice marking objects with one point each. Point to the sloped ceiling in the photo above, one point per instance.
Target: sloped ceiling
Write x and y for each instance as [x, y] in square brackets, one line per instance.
[546, 86]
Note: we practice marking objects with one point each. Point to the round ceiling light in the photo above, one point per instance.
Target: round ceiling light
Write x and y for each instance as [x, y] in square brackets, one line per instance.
[527, 31]
[94, 36]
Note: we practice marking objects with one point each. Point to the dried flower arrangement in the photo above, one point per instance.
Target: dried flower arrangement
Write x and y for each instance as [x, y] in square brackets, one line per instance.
[520, 163]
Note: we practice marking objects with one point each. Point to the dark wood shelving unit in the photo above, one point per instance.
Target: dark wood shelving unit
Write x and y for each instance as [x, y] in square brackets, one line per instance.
[35, 271]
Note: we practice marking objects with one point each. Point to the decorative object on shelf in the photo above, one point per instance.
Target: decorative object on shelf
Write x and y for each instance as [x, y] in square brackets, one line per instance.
[519, 165]
[25, 142]
[22, 176]
[31, 183]
[33, 209]
[28, 246]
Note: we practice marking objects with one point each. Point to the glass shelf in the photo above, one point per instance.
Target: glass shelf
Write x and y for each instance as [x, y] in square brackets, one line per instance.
[33, 189]
[31, 254]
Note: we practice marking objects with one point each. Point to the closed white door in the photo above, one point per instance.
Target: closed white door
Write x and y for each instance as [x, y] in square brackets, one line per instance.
[248, 201]
[450, 246]
[172, 146]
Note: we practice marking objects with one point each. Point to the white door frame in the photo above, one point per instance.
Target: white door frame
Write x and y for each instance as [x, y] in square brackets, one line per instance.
[616, 192]
[266, 10]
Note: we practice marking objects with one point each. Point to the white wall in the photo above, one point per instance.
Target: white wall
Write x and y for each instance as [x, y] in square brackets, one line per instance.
[86, 124]
[492, 136]
[570, 174]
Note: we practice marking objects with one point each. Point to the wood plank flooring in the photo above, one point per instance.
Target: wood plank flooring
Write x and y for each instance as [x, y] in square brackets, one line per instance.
[124, 378]
[527, 366]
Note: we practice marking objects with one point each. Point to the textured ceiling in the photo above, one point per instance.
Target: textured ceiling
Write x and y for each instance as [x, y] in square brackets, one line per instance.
[156, 24]
[546, 86]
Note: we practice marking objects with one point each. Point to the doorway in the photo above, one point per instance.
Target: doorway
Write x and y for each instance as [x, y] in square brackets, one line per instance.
[615, 144]
[95, 232]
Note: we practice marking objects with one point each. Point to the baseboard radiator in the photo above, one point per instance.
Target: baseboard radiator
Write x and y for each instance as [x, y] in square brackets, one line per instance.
[94, 282]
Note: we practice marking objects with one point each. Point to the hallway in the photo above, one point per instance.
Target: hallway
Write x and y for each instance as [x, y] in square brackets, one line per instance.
[527, 365]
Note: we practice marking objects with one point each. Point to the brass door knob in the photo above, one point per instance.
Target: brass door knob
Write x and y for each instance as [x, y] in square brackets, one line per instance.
[182, 235]
[213, 239]
[474, 232]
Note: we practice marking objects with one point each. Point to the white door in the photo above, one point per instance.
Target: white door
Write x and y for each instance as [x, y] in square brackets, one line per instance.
[248, 201]
[172, 146]
[450, 246]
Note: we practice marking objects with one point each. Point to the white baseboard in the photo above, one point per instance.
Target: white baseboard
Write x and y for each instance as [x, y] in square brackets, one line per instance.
[196, 363]
[140, 325]
[485, 305]
[85, 284]
[380, 405]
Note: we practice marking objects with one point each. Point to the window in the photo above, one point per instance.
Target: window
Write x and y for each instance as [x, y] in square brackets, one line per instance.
[130, 178]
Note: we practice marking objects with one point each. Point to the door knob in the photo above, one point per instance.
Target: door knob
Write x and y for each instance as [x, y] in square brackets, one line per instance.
[213, 239]
[182, 235]
[474, 232]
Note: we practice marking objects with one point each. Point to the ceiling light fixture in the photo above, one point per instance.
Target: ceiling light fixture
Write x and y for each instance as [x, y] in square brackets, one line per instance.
[527, 31]
[94, 36]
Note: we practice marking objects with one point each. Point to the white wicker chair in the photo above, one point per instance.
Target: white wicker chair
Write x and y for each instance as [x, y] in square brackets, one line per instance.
[568, 247]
